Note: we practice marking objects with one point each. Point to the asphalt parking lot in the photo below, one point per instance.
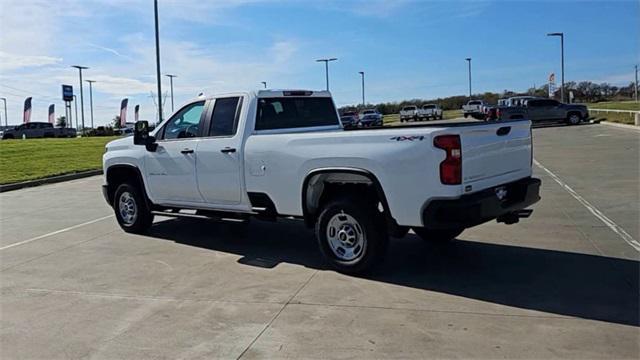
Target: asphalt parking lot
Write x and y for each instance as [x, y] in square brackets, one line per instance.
[562, 284]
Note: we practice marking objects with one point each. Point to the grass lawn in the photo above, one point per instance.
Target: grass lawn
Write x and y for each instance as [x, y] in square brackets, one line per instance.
[624, 118]
[616, 105]
[31, 159]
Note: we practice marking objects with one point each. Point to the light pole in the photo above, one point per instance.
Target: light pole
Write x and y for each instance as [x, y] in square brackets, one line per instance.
[159, 80]
[5, 106]
[469, 61]
[171, 82]
[326, 68]
[80, 68]
[561, 35]
[265, 84]
[6, 123]
[362, 76]
[91, 98]
[75, 103]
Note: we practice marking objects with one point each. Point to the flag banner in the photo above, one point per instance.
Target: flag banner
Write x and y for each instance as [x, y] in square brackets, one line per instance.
[52, 113]
[552, 77]
[123, 112]
[26, 116]
[136, 112]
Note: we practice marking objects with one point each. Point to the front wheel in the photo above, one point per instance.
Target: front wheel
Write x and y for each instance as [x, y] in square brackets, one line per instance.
[439, 236]
[131, 209]
[351, 235]
[573, 119]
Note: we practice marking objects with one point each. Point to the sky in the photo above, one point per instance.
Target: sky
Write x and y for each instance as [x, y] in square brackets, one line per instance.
[407, 48]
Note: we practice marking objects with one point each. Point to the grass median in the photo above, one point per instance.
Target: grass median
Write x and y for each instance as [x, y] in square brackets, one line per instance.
[31, 159]
[624, 118]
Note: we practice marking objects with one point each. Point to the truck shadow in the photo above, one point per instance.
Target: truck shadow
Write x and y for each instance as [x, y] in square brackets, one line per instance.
[570, 284]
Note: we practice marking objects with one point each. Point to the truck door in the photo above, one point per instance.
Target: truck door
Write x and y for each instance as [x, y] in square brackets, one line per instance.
[535, 110]
[220, 153]
[171, 169]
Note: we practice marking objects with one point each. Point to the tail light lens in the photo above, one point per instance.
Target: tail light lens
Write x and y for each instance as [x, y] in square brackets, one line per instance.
[498, 114]
[451, 166]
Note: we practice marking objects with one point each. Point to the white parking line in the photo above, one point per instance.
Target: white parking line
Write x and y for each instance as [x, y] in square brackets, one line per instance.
[597, 213]
[54, 233]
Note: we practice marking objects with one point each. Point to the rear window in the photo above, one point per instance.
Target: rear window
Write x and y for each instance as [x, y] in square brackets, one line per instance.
[409, 108]
[429, 107]
[474, 103]
[294, 112]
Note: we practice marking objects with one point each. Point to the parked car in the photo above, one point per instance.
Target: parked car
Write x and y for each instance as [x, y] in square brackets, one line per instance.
[473, 108]
[544, 110]
[127, 130]
[371, 112]
[32, 130]
[370, 120]
[349, 121]
[409, 112]
[273, 154]
[430, 111]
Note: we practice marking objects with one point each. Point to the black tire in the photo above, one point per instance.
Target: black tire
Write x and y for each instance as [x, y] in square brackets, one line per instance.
[573, 119]
[441, 116]
[137, 218]
[356, 221]
[466, 116]
[438, 236]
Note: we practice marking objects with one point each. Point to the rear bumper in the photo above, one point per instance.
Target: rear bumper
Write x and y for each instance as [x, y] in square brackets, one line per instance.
[474, 209]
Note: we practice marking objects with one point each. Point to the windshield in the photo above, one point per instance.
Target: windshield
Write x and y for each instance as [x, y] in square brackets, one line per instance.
[429, 107]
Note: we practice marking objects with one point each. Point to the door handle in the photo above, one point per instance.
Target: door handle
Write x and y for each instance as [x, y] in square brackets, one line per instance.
[228, 150]
[186, 151]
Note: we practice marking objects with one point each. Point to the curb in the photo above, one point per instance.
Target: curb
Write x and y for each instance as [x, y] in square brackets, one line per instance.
[624, 126]
[49, 180]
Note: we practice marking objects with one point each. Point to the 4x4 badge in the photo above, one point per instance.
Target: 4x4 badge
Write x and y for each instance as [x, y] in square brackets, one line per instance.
[409, 138]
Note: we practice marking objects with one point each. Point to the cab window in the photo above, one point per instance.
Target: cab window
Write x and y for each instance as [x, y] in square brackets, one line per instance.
[224, 121]
[185, 124]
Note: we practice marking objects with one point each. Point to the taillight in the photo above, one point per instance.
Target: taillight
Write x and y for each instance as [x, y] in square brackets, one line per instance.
[498, 114]
[451, 166]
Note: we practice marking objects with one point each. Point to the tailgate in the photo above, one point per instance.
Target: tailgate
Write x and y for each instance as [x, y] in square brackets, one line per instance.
[496, 153]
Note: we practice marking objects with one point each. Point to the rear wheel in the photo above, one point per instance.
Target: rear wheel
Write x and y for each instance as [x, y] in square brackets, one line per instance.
[439, 236]
[131, 209]
[351, 235]
[573, 119]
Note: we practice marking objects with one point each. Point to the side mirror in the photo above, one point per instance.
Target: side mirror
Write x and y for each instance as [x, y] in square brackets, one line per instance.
[141, 136]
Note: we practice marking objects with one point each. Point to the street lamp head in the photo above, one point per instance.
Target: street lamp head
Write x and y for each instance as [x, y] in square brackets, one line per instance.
[555, 34]
[326, 60]
[361, 72]
[468, 59]
[79, 67]
[170, 75]
[90, 81]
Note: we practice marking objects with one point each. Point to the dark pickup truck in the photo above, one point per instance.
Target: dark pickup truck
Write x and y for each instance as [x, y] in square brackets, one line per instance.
[37, 130]
[542, 110]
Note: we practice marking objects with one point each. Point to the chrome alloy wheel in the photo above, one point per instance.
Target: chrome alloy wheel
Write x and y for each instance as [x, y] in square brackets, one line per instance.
[346, 238]
[128, 208]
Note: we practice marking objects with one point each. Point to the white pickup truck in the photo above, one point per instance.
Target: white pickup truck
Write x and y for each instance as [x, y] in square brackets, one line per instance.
[430, 111]
[275, 154]
[473, 108]
[409, 112]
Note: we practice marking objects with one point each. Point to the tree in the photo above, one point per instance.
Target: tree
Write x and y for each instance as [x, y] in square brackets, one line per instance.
[116, 122]
[61, 121]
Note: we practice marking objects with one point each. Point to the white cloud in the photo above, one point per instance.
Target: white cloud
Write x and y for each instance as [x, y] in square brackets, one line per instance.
[15, 61]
